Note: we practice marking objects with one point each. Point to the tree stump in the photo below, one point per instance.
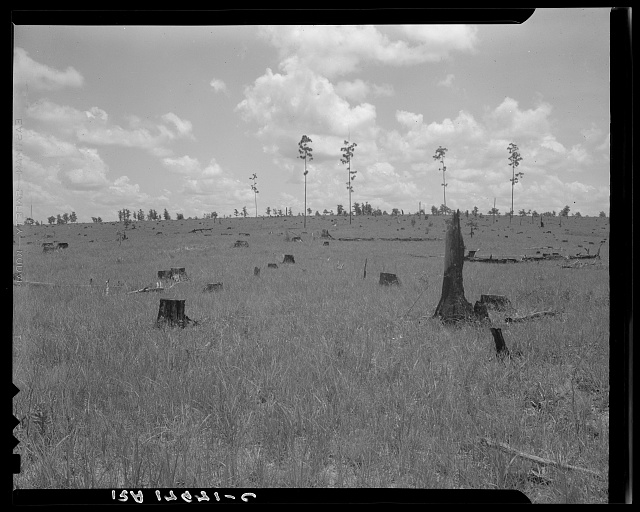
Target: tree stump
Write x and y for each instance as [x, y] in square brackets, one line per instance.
[171, 313]
[256, 271]
[453, 306]
[241, 243]
[325, 243]
[272, 265]
[213, 287]
[325, 234]
[179, 274]
[501, 346]
[288, 258]
[296, 239]
[62, 245]
[388, 279]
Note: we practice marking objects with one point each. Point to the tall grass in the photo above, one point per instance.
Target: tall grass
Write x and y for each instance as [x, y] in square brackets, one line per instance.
[307, 376]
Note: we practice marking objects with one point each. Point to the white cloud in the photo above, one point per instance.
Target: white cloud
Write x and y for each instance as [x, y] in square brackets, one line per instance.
[182, 165]
[41, 77]
[342, 49]
[218, 85]
[184, 127]
[447, 82]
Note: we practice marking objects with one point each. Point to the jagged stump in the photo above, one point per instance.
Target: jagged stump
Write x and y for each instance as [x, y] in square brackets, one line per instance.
[171, 313]
[453, 306]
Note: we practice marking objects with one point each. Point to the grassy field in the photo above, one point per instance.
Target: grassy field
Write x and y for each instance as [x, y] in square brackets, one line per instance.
[309, 375]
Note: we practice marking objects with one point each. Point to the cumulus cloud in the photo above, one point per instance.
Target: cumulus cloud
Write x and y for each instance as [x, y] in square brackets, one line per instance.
[508, 120]
[218, 85]
[41, 77]
[182, 165]
[300, 99]
[342, 49]
[447, 82]
[184, 127]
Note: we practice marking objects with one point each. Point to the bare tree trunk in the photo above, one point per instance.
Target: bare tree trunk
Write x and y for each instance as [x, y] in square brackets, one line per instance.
[453, 305]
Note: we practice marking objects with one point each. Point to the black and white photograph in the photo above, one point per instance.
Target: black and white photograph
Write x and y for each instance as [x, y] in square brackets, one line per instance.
[312, 256]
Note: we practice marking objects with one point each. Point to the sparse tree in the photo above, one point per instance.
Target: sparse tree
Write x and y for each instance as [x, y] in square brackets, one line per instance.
[395, 211]
[444, 209]
[434, 210]
[325, 212]
[99, 220]
[235, 212]
[59, 219]
[255, 191]
[577, 214]
[340, 209]
[279, 212]
[305, 153]
[514, 161]
[244, 212]
[166, 215]
[214, 215]
[475, 211]
[73, 218]
[29, 221]
[347, 155]
[603, 215]
[565, 211]
[309, 210]
[179, 216]
[268, 211]
[357, 210]
[440, 154]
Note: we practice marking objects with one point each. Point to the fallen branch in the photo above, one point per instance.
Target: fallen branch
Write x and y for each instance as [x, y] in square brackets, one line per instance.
[147, 289]
[509, 320]
[506, 448]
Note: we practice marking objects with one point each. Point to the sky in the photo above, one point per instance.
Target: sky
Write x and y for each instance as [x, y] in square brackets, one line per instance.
[181, 117]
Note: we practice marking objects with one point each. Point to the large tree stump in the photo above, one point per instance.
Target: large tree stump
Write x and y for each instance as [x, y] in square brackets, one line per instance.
[213, 287]
[288, 258]
[453, 305]
[171, 312]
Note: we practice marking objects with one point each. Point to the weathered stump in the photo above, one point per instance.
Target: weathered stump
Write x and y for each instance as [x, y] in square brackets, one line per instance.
[453, 306]
[256, 271]
[288, 258]
[296, 239]
[241, 243]
[325, 243]
[171, 313]
[213, 287]
[501, 346]
[179, 274]
[388, 279]
[497, 302]
[62, 245]
[272, 265]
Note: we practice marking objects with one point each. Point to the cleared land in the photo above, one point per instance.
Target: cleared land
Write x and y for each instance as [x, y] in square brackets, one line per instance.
[309, 375]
